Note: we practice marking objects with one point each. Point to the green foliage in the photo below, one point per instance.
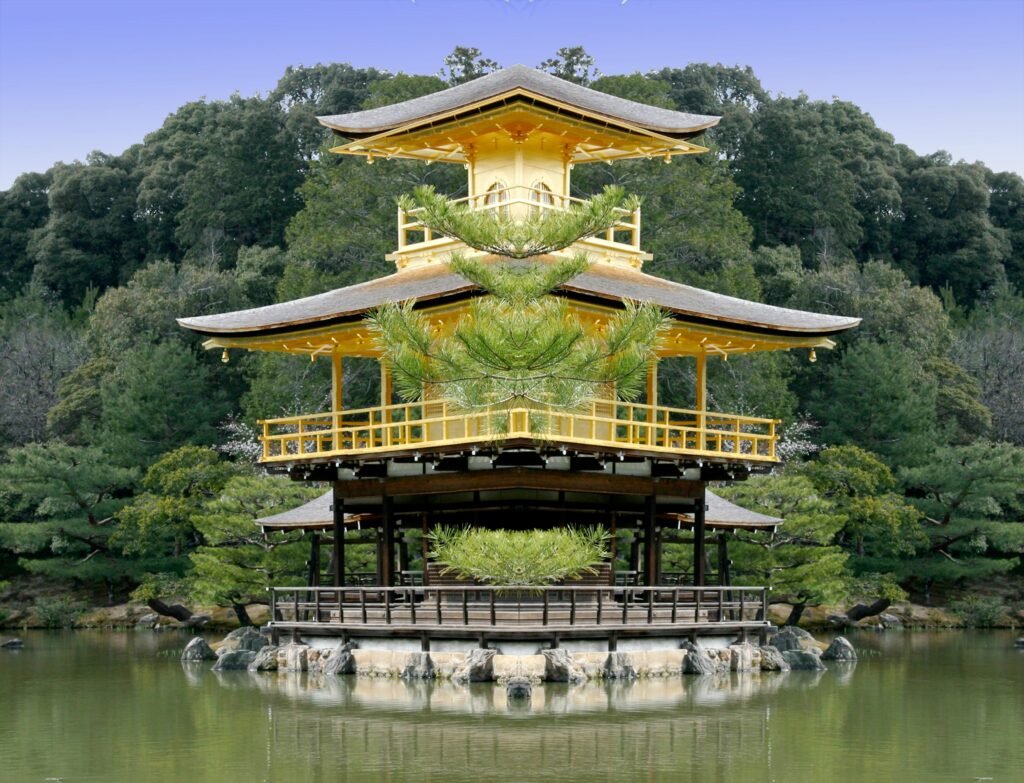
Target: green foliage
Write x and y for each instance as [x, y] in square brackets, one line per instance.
[970, 498]
[497, 231]
[903, 430]
[519, 558]
[979, 611]
[160, 396]
[237, 563]
[24, 208]
[801, 563]
[59, 612]
[518, 346]
[465, 64]
[573, 64]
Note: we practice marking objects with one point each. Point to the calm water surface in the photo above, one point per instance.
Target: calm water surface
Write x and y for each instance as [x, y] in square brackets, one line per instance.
[117, 708]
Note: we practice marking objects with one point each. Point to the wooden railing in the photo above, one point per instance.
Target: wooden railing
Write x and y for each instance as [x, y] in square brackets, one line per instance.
[601, 423]
[547, 609]
[518, 202]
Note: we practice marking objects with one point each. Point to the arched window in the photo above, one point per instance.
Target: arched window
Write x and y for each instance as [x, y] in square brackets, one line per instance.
[496, 195]
[542, 195]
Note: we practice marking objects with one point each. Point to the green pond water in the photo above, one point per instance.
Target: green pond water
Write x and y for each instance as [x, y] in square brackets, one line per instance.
[118, 708]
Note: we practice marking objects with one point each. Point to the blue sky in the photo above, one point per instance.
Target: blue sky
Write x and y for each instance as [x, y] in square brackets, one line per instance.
[78, 75]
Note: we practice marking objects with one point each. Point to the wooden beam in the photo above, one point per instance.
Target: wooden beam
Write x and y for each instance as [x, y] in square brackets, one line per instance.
[314, 560]
[519, 478]
[388, 542]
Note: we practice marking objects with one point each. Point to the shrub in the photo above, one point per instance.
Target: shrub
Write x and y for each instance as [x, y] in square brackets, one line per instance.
[979, 611]
[59, 612]
[519, 558]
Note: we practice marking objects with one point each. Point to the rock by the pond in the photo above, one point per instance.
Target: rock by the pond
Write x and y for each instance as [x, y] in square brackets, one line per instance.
[559, 666]
[803, 660]
[1019, 642]
[840, 650]
[198, 650]
[418, 666]
[265, 660]
[889, 620]
[234, 660]
[790, 638]
[12, 644]
[519, 688]
[477, 667]
[619, 666]
[697, 660]
[342, 661]
[148, 620]
[247, 638]
[772, 660]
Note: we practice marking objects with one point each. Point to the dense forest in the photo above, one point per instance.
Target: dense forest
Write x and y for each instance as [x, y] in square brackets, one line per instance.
[127, 449]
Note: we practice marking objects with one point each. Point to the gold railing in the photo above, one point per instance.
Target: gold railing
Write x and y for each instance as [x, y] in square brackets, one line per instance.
[604, 424]
[519, 202]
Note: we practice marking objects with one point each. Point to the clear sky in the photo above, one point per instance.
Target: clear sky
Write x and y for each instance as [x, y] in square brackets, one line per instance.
[79, 75]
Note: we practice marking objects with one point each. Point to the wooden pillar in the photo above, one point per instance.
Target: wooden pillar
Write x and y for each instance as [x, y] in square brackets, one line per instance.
[386, 544]
[724, 578]
[613, 544]
[650, 542]
[337, 383]
[314, 560]
[385, 384]
[338, 519]
[634, 551]
[403, 554]
[699, 555]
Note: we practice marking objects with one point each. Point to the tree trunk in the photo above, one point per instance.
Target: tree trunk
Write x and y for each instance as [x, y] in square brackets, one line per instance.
[860, 611]
[177, 611]
[796, 613]
[243, 616]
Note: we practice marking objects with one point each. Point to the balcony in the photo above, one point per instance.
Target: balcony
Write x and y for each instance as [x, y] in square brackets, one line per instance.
[600, 426]
[417, 241]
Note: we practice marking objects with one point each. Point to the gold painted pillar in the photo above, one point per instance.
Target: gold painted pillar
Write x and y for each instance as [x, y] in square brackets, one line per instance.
[337, 395]
[701, 402]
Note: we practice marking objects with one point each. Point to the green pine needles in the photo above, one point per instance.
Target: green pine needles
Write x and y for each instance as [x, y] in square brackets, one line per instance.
[519, 558]
[520, 346]
[496, 231]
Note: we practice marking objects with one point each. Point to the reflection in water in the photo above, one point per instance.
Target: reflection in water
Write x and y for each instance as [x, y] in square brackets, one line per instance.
[108, 707]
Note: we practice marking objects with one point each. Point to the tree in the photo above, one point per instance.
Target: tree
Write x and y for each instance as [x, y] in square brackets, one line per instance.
[800, 562]
[401, 87]
[573, 64]
[39, 346]
[991, 348]
[465, 64]
[91, 237]
[217, 176]
[945, 236]
[879, 398]
[818, 175]
[67, 498]
[1006, 211]
[159, 397]
[732, 92]
[237, 563]
[970, 497]
[24, 207]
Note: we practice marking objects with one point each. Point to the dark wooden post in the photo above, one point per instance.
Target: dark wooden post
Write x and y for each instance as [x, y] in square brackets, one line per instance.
[650, 543]
[724, 578]
[613, 546]
[403, 552]
[387, 559]
[314, 560]
[699, 556]
[634, 551]
[338, 519]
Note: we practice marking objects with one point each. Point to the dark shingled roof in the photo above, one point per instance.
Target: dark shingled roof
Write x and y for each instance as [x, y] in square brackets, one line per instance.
[601, 282]
[317, 515]
[518, 77]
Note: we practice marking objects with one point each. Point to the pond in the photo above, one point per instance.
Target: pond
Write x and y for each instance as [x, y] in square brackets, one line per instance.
[110, 707]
